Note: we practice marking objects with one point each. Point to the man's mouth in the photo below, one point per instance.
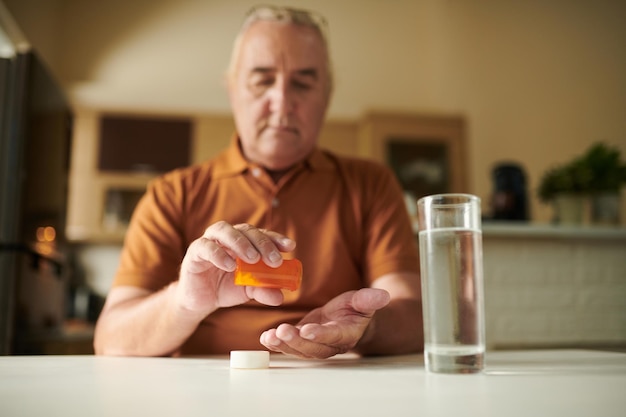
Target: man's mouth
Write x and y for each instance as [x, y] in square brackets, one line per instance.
[282, 129]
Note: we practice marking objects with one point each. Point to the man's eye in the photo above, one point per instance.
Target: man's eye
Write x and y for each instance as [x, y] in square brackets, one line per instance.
[264, 82]
[302, 85]
[259, 85]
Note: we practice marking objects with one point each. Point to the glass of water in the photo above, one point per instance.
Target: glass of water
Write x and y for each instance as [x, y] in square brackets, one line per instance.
[451, 262]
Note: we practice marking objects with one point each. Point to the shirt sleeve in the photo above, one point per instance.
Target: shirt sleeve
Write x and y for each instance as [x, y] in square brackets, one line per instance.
[153, 246]
[391, 244]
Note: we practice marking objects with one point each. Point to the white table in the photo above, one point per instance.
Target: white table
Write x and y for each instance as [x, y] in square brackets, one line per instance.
[526, 383]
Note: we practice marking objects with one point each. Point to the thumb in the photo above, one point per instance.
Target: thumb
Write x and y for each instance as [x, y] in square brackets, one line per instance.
[368, 300]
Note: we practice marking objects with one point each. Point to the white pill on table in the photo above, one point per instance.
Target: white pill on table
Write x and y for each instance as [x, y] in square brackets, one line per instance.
[249, 359]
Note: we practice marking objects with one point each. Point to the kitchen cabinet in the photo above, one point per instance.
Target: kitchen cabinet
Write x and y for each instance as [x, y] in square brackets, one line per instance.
[114, 156]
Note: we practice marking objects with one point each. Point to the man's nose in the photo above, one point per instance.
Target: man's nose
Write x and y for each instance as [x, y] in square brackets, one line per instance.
[281, 99]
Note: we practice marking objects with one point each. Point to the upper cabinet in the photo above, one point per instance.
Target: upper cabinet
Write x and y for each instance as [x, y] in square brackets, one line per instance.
[131, 144]
[113, 159]
[115, 155]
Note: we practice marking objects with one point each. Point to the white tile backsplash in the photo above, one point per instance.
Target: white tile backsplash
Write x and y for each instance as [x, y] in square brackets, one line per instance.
[541, 291]
[99, 263]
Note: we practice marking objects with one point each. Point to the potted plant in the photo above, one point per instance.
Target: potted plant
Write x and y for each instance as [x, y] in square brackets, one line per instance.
[608, 175]
[597, 176]
[565, 187]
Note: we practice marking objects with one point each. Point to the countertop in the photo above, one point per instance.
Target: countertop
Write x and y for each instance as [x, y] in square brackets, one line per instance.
[515, 383]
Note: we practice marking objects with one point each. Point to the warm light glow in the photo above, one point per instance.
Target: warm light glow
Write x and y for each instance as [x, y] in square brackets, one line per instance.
[49, 234]
[46, 234]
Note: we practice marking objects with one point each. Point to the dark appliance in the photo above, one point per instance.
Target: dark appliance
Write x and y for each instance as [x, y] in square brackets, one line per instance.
[35, 135]
[509, 200]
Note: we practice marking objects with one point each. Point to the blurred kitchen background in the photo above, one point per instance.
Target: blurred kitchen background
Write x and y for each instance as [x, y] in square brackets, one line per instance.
[485, 97]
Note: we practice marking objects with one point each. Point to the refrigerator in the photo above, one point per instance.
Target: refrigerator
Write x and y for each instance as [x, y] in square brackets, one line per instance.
[35, 141]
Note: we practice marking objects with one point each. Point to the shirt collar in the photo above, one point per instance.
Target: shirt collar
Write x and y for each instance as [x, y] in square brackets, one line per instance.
[231, 162]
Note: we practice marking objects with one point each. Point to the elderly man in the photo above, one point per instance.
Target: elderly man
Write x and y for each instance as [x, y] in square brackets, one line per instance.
[174, 291]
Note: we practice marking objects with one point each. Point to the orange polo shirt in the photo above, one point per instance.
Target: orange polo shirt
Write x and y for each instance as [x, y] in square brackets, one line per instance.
[347, 216]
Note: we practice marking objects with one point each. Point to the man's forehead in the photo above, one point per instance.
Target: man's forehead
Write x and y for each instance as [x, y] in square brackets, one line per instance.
[273, 45]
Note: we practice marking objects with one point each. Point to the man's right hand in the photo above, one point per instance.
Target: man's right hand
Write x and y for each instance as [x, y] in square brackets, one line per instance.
[138, 322]
[206, 279]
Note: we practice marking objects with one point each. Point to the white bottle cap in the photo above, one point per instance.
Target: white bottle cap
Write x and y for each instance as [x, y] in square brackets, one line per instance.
[249, 359]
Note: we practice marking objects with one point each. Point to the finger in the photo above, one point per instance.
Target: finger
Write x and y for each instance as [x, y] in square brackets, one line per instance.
[246, 242]
[275, 344]
[204, 253]
[237, 239]
[267, 296]
[267, 339]
[268, 244]
[327, 334]
[233, 243]
[367, 301]
[271, 341]
[291, 341]
[282, 242]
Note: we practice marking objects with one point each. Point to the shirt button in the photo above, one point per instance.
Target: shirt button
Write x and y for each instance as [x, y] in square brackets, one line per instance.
[256, 172]
[275, 202]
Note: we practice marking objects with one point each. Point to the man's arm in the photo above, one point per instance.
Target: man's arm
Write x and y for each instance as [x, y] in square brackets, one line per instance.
[138, 322]
[397, 328]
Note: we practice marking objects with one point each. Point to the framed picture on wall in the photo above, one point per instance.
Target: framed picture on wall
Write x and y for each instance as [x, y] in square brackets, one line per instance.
[427, 153]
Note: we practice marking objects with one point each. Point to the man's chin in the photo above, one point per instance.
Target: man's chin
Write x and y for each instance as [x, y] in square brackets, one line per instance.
[279, 151]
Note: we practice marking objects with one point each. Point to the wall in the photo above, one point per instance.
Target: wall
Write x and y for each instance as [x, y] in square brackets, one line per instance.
[537, 81]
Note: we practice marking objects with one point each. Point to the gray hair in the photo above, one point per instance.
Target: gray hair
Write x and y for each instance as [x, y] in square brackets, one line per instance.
[289, 15]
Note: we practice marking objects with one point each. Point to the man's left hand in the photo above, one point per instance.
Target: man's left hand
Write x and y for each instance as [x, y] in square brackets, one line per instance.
[331, 329]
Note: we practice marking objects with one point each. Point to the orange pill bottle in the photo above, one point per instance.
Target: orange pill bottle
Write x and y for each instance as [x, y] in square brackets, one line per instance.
[287, 276]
